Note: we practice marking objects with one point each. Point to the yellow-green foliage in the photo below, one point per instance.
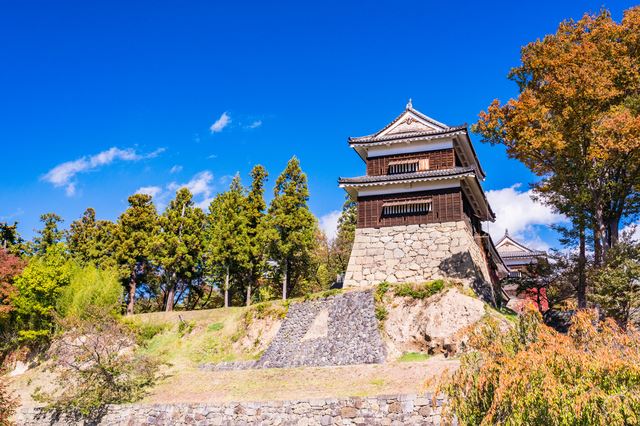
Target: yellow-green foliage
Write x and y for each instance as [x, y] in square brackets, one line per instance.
[90, 287]
[419, 291]
[530, 374]
[413, 357]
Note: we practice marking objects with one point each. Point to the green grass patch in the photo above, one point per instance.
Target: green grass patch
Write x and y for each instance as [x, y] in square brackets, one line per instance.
[216, 326]
[414, 357]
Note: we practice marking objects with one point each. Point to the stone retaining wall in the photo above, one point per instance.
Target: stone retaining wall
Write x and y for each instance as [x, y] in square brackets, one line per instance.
[378, 410]
[416, 253]
[339, 330]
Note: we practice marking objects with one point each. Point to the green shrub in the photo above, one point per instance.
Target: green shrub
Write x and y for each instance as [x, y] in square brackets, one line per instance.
[145, 331]
[90, 286]
[185, 327]
[419, 291]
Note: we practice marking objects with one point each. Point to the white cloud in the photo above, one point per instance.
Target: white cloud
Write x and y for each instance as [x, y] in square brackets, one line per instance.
[220, 123]
[149, 190]
[520, 214]
[255, 124]
[633, 229]
[200, 185]
[64, 174]
[176, 169]
[329, 223]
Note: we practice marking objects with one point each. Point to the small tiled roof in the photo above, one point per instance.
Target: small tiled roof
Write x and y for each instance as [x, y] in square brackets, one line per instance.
[400, 177]
[521, 254]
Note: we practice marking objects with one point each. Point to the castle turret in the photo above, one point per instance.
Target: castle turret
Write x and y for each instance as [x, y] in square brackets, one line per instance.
[420, 207]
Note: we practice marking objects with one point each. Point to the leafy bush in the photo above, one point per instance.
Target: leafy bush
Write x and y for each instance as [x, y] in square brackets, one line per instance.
[419, 291]
[37, 291]
[8, 404]
[144, 331]
[90, 287]
[185, 327]
[531, 374]
[96, 365]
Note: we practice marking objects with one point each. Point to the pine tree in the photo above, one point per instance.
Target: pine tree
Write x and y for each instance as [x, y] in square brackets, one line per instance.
[91, 241]
[50, 234]
[10, 239]
[136, 241]
[255, 212]
[290, 227]
[181, 247]
[227, 237]
[342, 244]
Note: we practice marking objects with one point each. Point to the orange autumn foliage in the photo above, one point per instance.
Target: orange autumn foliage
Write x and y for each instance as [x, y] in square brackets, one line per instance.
[534, 375]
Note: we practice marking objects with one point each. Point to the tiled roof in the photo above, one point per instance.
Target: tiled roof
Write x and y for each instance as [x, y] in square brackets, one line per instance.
[429, 174]
[520, 254]
[406, 136]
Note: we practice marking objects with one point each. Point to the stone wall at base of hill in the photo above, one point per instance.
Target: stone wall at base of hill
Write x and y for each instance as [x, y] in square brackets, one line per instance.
[377, 410]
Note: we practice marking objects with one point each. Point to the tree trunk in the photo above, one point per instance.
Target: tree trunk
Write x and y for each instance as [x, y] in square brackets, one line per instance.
[285, 280]
[226, 288]
[582, 263]
[249, 294]
[171, 293]
[598, 234]
[132, 294]
[613, 232]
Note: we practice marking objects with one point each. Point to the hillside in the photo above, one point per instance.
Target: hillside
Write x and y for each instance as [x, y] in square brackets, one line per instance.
[194, 344]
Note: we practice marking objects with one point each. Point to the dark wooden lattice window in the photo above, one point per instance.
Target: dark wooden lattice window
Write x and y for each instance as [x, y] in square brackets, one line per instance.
[407, 207]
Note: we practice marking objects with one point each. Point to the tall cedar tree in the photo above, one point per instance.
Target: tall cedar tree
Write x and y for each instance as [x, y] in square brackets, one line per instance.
[91, 241]
[291, 227]
[576, 123]
[136, 241]
[255, 212]
[227, 238]
[342, 244]
[181, 248]
[49, 235]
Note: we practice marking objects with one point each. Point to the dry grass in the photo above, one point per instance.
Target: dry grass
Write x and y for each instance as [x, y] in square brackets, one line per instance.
[300, 383]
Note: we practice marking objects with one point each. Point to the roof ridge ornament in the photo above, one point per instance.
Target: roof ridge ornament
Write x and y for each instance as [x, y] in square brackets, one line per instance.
[409, 104]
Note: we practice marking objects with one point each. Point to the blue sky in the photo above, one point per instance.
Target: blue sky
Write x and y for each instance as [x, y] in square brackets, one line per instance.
[123, 95]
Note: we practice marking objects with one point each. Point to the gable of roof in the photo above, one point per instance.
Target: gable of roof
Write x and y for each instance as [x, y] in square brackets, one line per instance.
[411, 120]
[508, 244]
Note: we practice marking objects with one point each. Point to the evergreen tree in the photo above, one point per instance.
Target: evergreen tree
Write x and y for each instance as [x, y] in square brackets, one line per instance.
[290, 227]
[255, 212]
[50, 234]
[181, 248]
[227, 236]
[616, 286]
[10, 239]
[342, 244]
[91, 241]
[136, 241]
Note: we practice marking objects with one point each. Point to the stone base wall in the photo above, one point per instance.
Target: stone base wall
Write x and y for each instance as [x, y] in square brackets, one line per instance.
[339, 330]
[378, 410]
[416, 253]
